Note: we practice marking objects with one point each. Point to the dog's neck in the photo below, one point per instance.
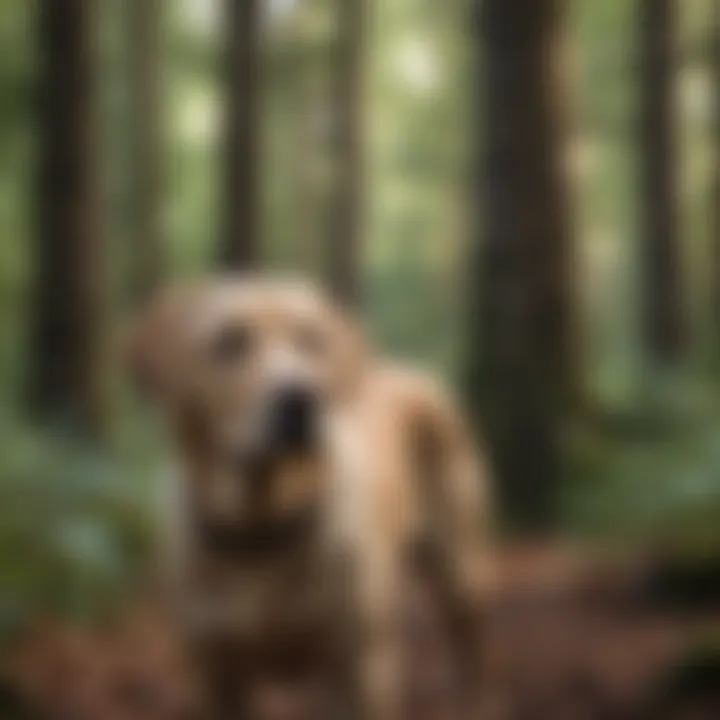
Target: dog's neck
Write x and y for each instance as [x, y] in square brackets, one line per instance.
[259, 542]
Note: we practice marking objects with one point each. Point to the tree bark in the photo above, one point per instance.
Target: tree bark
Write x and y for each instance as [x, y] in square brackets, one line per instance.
[241, 144]
[521, 352]
[665, 332]
[715, 191]
[67, 354]
[344, 266]
[148, 252]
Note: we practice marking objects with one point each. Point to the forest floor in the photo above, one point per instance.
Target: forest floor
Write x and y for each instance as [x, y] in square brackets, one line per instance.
[571, 636]
[604, 638]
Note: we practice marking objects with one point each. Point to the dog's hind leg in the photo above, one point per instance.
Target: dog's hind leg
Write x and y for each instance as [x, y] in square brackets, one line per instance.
[455, 486]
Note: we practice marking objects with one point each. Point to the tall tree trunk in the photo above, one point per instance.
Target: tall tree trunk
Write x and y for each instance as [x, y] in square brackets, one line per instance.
[346, 205]
[521, 351]
[241, 143]
[663, 320]
[66, 382]
[148, 256]
[715, 191]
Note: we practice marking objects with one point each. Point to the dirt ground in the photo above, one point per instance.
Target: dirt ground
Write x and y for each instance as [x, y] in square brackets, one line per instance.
[569, 637]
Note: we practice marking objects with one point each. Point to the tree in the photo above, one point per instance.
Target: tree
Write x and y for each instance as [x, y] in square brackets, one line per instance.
[715, 191]
[521, 351]
[147, 259]
[663, 315]
[346, 205]
[241, 146]
[67, 374]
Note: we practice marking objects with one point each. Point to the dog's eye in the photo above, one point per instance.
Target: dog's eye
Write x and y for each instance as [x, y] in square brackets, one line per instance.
[311, 340]
[231, 343]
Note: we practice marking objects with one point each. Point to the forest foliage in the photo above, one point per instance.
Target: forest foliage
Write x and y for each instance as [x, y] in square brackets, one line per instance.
[643, 459]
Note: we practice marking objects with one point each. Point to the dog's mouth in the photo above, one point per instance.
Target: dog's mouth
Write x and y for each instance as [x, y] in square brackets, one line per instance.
[271, 486]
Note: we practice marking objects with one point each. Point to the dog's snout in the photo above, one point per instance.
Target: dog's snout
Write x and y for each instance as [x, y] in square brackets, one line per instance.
[295, 416]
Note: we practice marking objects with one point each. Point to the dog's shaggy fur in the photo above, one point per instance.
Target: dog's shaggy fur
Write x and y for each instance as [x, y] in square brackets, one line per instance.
[312, 470]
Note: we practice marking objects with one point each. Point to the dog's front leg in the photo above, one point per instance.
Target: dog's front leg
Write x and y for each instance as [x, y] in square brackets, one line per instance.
[224, 682]
[378, 662]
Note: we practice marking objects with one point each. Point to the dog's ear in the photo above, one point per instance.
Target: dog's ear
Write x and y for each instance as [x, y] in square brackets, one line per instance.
[154, 343]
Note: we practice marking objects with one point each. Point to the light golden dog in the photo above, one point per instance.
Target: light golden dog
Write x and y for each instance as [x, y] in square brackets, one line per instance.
[311, 471]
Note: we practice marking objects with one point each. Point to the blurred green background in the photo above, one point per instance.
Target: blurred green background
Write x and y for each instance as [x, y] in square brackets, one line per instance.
[640, 451]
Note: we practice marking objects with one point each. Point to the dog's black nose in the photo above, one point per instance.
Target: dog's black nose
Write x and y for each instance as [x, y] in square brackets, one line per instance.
[295, 418]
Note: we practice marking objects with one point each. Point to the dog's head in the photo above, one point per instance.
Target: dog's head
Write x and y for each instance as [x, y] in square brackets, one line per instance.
[250, 372]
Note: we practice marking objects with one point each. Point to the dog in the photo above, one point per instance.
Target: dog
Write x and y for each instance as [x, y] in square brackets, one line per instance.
[311, 472]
